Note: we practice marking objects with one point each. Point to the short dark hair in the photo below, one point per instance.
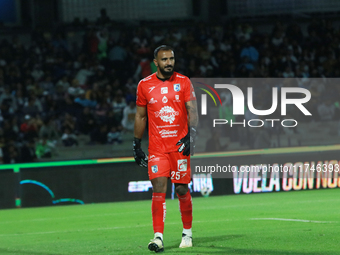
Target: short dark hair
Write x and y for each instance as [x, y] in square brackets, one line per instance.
[162, 47]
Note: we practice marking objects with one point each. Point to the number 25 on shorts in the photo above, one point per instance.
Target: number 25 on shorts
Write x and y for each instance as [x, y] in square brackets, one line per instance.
[175, 175]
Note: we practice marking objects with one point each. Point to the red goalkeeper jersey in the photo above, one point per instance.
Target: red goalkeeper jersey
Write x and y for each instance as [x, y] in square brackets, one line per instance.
[167, 114]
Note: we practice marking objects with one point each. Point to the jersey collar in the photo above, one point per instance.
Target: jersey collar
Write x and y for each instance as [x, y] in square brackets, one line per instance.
[169, 79]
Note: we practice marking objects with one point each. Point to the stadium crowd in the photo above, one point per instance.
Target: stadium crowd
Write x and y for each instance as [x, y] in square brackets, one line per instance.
[52, 90]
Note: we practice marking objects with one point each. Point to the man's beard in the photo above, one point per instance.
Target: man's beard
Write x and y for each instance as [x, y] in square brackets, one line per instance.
[166, 73]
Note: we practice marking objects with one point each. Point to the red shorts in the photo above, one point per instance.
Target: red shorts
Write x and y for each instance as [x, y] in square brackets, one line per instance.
[172, 165]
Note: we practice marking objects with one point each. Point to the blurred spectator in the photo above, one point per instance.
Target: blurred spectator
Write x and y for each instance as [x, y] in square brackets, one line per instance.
[8, 98]
[9, 132]
[99, 135]
[130, 85]
[103, 19]
[31, 108]
[37, 73]
[69, 123]
[68, 138]
[47, 85]
[114, 136]
[102, 45]
[70, 107]
[250, 52]
[86, 122]
[29, 127]
[94, 94]
[129, 113]
[84, 102]
[114, 120]
[131, 95]
[21, 100]
[118, 56]
[49, 131]
[83, 74]
[75, 90]
[143, 69]
[101, 109]
[118, 104]
[28, 154]
[62, 85]
[11, 155]
[42, 149]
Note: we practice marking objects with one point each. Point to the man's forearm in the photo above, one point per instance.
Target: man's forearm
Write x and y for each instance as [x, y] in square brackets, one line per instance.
[140, 123]
[192, 113]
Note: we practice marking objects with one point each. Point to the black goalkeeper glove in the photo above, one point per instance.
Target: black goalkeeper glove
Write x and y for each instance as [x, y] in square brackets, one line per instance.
[140, 157]
[187, 143]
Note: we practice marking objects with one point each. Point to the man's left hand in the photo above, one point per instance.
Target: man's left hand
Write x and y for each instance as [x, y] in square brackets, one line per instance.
[187, 143]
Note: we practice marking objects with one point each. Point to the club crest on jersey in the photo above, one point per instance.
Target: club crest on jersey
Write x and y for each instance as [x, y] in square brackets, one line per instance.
[177, 87]
[164, 90]
[165, 99]
[177, 99]
[167, 114]
[182, 165]
[154, 169]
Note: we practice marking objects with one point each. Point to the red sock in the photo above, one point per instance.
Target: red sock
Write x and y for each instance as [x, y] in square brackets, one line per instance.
[158, 212]
[185, 207]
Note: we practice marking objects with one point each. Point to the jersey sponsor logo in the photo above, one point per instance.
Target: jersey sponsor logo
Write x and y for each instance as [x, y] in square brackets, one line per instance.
[177, 87]
[177, 99]
[168, 133]
[182, 165]
[151, 89]
[167, 114]
[153, 158]
[179, 76]
[152, 101]
[164, 90]
[168, 126]
[154, 169]
[165, 100]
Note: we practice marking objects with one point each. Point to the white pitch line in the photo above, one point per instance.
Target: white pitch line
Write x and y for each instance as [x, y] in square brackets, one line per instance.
[298, 220]
[99, 229]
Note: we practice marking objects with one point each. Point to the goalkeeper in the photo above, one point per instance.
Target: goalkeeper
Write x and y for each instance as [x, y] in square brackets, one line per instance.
[168, 101]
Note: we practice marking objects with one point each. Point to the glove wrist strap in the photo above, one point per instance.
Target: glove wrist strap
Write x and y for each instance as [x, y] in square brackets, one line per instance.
[137, 142]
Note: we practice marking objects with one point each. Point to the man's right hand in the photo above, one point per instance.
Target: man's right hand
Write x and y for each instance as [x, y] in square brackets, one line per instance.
[140, 157]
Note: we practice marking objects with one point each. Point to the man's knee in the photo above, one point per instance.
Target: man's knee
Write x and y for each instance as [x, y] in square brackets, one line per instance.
[182, 189]
[159, 185]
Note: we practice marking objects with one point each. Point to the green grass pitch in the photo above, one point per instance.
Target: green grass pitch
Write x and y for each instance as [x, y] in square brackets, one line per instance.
[305, 222]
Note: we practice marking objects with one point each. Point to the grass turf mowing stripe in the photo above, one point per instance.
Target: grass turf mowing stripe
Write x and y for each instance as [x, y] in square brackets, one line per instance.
[221, 225]
[298, 220]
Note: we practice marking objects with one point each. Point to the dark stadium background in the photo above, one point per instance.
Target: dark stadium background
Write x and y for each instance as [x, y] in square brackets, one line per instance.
[69, 70]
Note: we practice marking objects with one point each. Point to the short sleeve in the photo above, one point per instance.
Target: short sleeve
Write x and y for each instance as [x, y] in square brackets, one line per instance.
[140, 98]
[189, 92]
